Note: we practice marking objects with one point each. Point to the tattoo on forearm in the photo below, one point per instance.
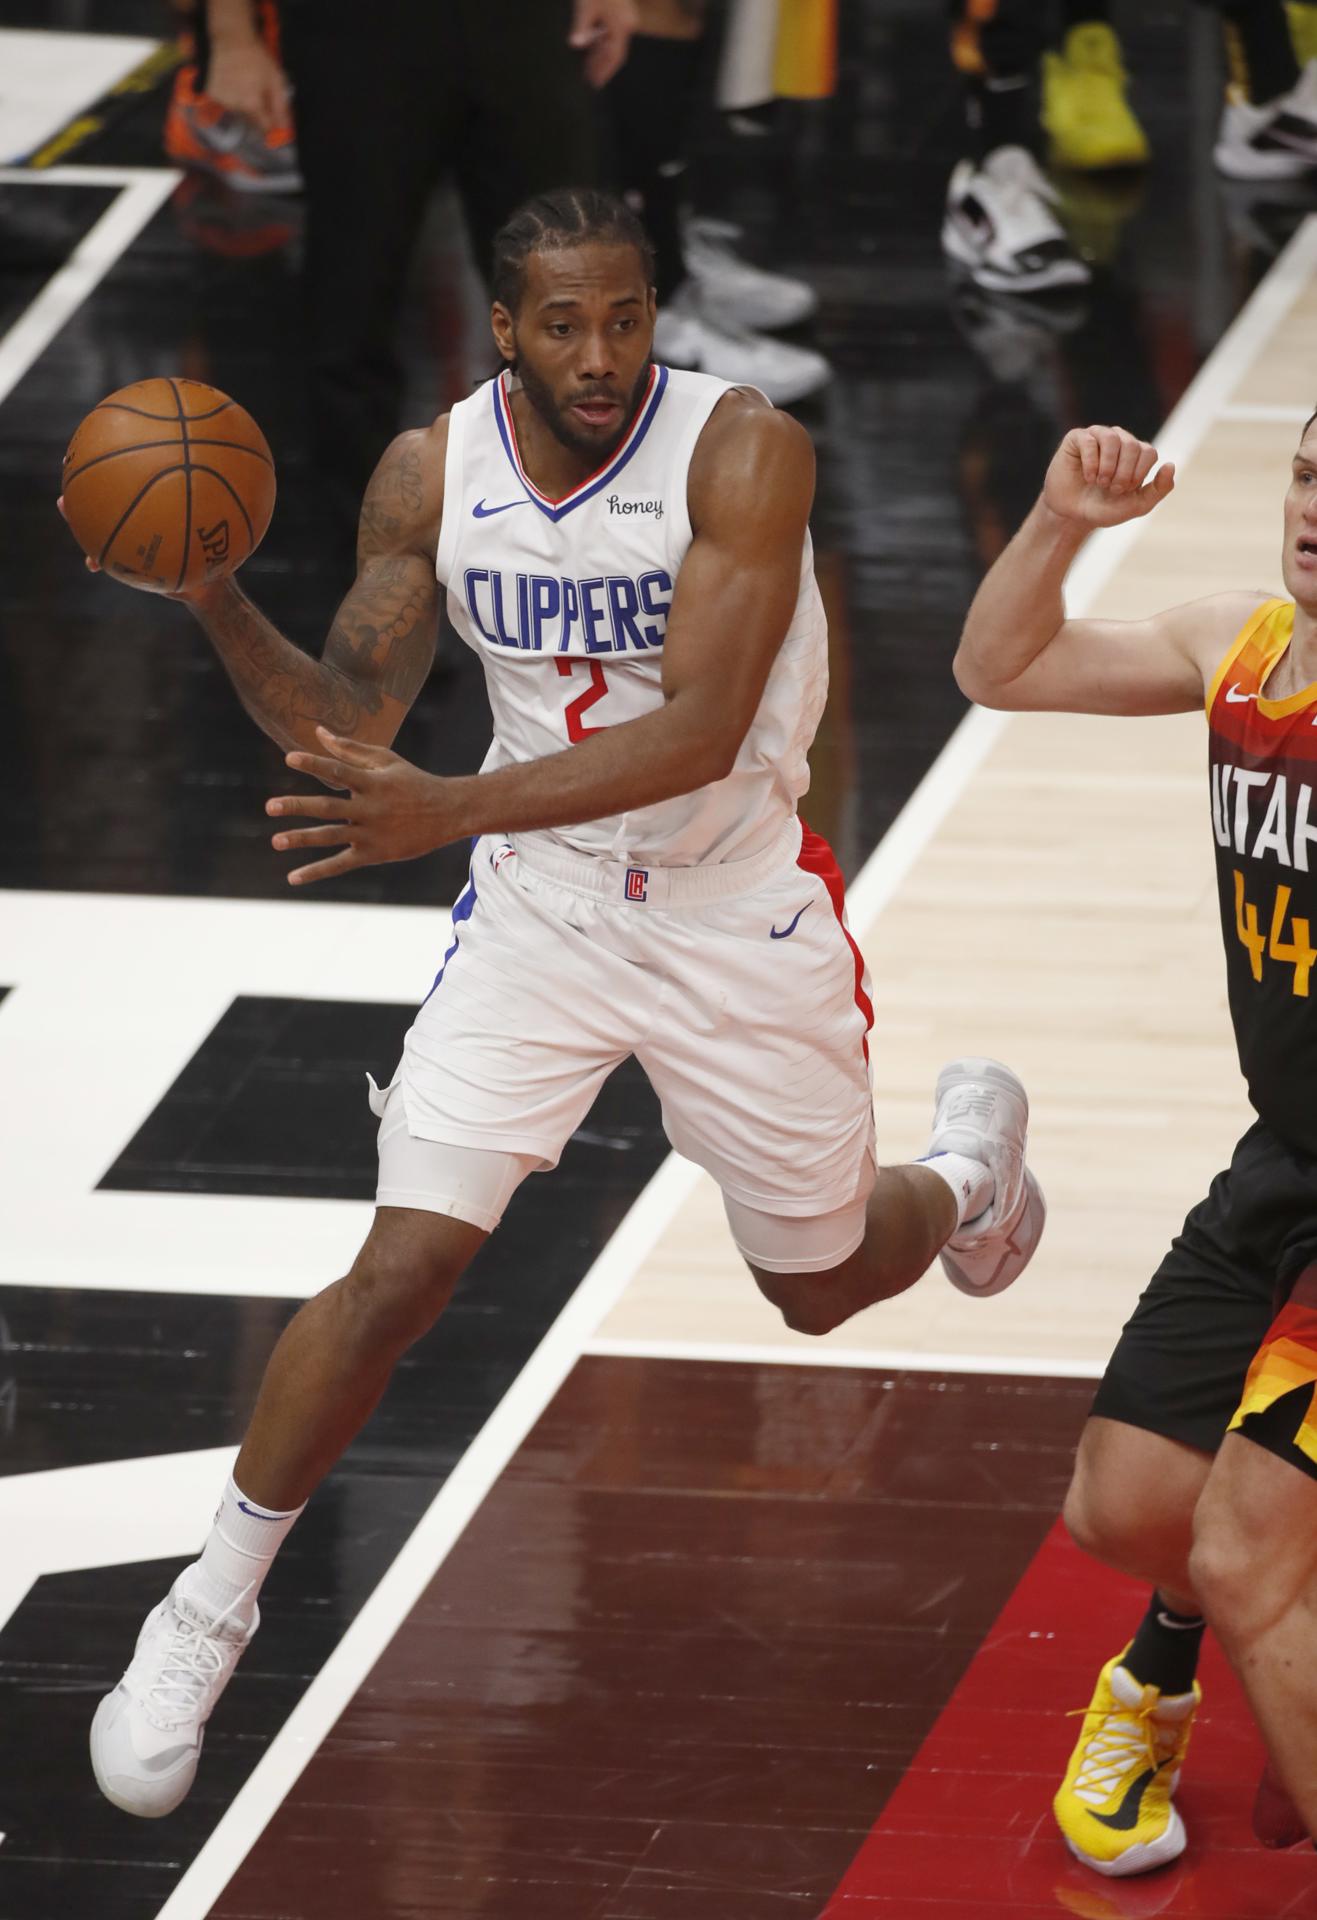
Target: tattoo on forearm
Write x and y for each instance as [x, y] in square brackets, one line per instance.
[284, 692]
[384, 640]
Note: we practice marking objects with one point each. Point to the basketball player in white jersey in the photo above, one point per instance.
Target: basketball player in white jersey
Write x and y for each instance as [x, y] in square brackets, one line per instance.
[627, 550]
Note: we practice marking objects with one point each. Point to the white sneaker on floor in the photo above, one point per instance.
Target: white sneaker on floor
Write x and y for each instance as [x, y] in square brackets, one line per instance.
[1276, 141]
[982, 1111]
[1001, 227]
[686, 336]
[146, 1735]
[734, 290]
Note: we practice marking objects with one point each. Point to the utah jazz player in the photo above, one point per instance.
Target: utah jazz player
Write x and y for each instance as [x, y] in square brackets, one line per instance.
[1198, 1468]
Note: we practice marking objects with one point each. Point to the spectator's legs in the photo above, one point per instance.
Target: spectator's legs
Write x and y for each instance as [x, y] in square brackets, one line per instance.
[1269, 122]
[1259, 50]
[649, 146]
[1000, 227]
[712, 302]
[531, 115]
[375, 96]
[997, 56]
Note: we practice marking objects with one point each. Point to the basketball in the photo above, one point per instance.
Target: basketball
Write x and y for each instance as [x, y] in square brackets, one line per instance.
[168, 484]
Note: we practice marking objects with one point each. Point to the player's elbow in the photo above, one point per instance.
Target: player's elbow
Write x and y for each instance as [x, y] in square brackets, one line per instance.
[706, 744]
[978, 686]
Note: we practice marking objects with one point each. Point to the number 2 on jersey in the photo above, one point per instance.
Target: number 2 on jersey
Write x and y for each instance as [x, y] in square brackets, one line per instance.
[595, 692]
[1299, 951]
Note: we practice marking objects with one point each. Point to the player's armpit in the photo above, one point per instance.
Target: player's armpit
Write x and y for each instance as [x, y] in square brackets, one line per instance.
[750, 490]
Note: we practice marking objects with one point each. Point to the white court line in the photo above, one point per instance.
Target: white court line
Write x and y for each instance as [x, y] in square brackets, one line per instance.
[1263, 413]
[343, 1673]
[870, 1359]
[143, 190]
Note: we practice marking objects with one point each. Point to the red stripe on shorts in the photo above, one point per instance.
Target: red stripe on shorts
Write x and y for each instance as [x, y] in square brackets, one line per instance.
[817, 857]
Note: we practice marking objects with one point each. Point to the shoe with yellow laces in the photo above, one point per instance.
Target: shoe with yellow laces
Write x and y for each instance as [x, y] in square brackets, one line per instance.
[1115, 1807]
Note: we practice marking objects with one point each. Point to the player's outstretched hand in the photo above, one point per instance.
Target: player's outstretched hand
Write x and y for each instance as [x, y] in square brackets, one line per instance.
[387, 810]
[1099, 476]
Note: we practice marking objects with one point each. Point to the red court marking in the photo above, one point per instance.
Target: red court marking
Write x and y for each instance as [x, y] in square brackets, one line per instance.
[968, 1833]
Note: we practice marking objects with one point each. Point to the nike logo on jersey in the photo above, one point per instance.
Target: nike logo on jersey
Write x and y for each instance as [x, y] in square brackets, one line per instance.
[786, 932]
[1127, 1814]
[1237, 699]
[481, 512]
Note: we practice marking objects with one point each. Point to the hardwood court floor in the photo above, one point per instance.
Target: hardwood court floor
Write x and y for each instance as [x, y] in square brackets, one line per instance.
[1063, 916]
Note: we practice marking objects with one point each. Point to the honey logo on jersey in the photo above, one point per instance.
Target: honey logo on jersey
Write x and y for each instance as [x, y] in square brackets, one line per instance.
[625, 508]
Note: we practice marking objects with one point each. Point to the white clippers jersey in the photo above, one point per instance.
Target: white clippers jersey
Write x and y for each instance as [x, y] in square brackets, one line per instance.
[566, 603]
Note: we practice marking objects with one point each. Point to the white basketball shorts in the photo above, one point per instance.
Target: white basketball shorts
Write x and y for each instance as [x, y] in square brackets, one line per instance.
[737, 987]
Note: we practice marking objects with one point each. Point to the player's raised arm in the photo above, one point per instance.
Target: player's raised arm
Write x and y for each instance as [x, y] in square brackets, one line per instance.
[1018, 650]
[381, 645]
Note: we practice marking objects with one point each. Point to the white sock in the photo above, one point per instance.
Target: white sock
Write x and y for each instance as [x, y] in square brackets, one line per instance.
[238, 1554]
[969, 1180]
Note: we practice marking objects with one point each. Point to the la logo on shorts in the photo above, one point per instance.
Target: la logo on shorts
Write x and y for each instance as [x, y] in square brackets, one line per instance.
[637, 883]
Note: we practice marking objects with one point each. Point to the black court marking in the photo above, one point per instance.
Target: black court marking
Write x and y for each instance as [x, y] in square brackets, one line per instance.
[273, 1103]
[111, 107]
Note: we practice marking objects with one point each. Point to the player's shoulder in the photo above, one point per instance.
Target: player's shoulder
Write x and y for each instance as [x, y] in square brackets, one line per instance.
[747, 441]
[744, 416]
[1207, 629]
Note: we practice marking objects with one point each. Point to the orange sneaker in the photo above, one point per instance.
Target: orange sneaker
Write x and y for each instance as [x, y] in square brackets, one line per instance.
[201, 133]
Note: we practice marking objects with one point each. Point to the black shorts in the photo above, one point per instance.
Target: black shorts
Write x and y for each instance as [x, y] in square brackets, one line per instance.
[1225, 1334]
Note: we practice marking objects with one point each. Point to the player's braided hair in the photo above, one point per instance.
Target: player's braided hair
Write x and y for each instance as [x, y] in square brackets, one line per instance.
[567, 217]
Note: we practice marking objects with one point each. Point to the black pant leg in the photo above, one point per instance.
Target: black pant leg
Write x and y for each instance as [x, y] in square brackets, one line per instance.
[375, 105]
[998, 56]
[532, 114]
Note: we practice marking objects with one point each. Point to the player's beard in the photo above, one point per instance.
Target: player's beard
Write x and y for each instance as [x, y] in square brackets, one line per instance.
[558, 420]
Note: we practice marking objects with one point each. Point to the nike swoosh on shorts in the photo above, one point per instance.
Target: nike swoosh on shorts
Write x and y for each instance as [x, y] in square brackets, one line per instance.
[786, 932]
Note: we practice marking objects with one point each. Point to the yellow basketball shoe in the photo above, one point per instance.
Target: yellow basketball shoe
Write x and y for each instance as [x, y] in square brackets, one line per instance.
[1303, 29]
[1085, 111]
[1115, 1807]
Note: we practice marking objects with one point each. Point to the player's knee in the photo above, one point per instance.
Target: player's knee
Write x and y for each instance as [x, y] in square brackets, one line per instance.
[395, 1292]
[1223, 1571]
[1099, 1522]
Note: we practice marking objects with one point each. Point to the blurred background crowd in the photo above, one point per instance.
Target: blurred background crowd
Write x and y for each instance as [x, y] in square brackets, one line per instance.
[272, 97]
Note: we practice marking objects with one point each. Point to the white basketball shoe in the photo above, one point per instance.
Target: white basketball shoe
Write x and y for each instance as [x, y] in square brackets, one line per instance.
[1277, 141]
[734, 290]
[1001, 227]
[982, 1111]
[686, 336]
[146, 1735]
